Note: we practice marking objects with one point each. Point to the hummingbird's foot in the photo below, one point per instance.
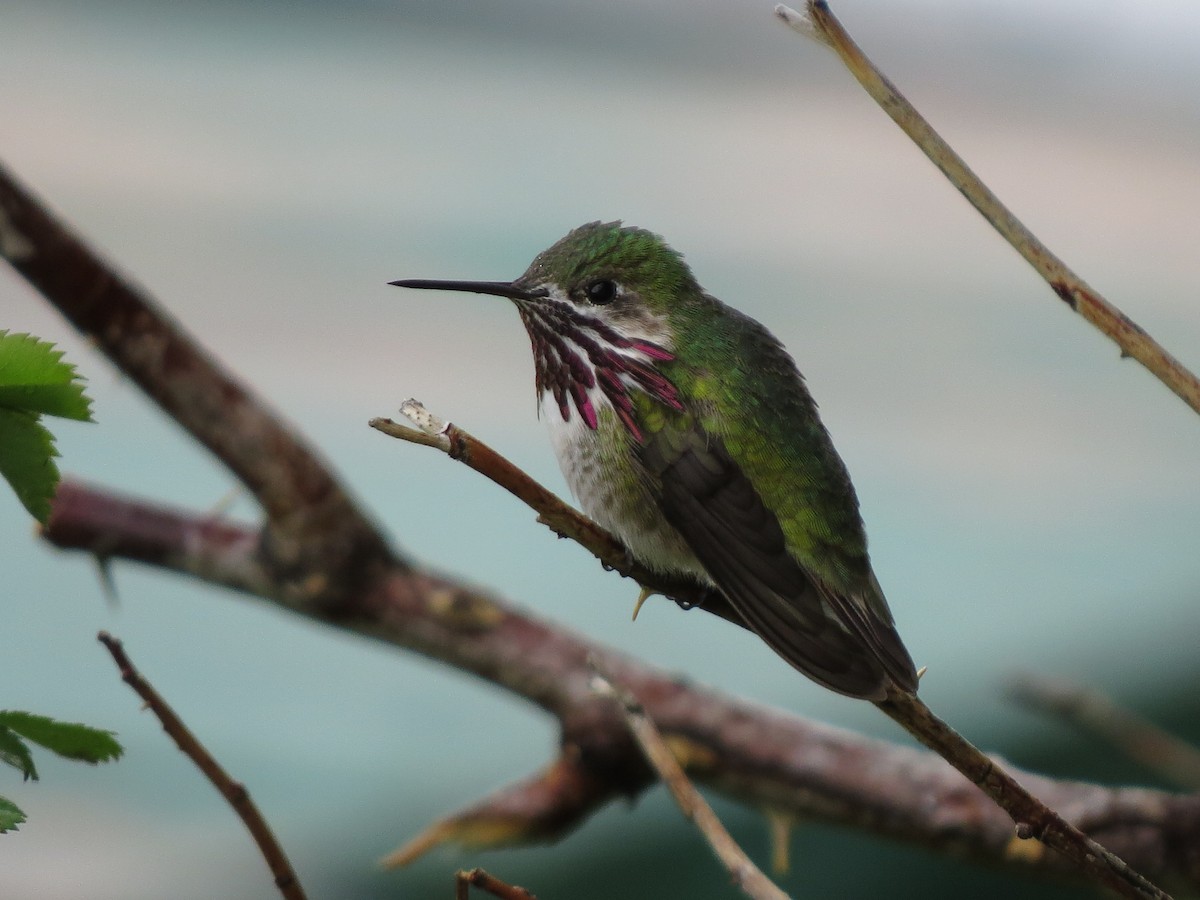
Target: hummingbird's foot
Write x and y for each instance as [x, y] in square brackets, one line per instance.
[644, 595]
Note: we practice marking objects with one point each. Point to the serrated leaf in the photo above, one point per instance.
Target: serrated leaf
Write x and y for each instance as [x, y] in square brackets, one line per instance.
[10, 815]
[34, 378]
[27, 460]
[69, 739]
[15, 752]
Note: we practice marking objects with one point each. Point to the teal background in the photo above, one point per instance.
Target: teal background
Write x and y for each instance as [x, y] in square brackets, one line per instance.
[265, 168]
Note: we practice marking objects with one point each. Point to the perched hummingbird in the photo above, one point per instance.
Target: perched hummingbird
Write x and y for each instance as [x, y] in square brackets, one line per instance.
[684, 427]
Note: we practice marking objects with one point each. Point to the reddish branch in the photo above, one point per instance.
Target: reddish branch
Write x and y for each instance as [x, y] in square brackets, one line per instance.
[557, 515]
[758, 755]
[314, 530]
[319, 554]
[485, 881]
[234, 792]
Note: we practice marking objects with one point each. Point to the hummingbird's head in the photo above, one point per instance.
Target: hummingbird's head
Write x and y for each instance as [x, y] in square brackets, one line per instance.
[597, 309]
[625, 276]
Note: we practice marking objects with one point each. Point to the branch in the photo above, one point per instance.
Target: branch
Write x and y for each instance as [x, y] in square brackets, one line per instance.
[759, 756]
[745, 874]
[1033, 818]
[821, 25]
[1093, 713]
[557, 515]
[294, 485]
[234, 792]
[485, 881]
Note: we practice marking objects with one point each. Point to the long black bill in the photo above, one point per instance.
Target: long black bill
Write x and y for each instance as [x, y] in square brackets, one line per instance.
[498, 288]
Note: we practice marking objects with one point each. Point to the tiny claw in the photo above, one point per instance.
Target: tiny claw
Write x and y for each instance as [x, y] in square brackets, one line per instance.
[921, 672]
[644, 595]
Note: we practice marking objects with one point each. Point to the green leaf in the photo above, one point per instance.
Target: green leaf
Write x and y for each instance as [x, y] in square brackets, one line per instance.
[10, 815]
[27, 460]
[34, 381]
[15, 752]
[34, 378]
[69, 739]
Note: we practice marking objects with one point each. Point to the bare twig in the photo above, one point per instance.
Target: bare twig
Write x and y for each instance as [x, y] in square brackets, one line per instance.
[1093, 712]
[553, 512]
[744, 873]
[234, 792]
[1033, 817]
[465, 879]
[821, 24]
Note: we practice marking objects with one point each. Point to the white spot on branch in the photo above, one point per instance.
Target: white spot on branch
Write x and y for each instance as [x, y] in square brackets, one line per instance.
[423, 418]
[801, 23]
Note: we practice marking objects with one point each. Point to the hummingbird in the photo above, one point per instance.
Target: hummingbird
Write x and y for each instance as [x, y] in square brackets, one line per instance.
[684, 427]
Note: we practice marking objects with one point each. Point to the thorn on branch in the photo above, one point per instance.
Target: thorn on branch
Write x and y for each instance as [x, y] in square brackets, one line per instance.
[108, 583]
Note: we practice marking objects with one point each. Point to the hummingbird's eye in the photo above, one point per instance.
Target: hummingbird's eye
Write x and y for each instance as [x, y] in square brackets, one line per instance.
[601, 292]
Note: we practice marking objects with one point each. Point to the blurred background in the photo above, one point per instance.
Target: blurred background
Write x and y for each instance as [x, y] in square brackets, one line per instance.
[266, 167]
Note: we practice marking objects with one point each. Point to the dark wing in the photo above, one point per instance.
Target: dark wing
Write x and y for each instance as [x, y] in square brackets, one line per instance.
[839, 642]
